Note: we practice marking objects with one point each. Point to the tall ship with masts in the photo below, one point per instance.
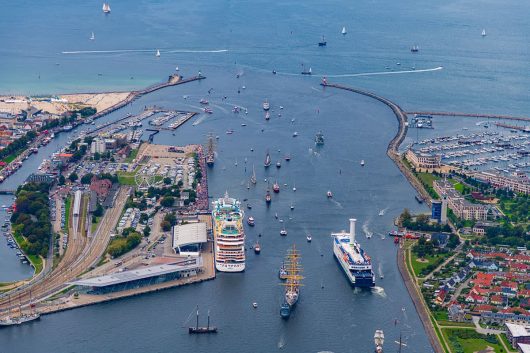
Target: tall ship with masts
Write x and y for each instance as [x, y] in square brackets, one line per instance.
[379, 339]
[229, 235]
[354, 261]
[293, 283]
[210, 151]
[17, 317]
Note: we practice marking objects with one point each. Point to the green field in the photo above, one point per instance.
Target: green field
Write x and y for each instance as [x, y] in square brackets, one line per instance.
[427, 178]
[132, 156]
[419, 266]
[474, 343]
[67, 206]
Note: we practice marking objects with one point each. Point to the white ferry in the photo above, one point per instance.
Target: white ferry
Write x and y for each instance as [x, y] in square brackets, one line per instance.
[229, 235]
[355, 263]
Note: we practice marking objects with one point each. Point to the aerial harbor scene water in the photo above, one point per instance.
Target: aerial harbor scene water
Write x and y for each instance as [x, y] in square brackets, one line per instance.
[234, 176]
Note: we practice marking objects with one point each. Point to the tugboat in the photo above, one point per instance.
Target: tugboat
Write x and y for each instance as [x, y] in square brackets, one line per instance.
[319, 139]
[268, 160]
[250, 221]
[322, 42]
[283, 272]
[285, 311]
[276, 187]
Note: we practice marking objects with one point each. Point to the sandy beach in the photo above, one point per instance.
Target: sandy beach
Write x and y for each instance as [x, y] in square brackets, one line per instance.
[100, 101]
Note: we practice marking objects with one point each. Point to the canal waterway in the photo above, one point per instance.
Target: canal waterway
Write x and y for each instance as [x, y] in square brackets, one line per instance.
[225, 38]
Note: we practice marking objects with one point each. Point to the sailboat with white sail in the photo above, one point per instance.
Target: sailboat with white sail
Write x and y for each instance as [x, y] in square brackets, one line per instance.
[92, 37]
[343, 31]
[157, 53]
[106, 7]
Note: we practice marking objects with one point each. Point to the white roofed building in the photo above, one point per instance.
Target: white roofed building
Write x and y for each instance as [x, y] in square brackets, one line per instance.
[188, 238]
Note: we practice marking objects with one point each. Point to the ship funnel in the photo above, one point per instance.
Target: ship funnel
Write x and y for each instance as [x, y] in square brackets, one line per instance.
[352, 229]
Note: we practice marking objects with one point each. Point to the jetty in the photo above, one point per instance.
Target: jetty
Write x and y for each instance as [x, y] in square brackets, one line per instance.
[173, 80]
[393, 146]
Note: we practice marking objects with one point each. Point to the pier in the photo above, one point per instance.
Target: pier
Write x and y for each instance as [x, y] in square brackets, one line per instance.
[173, 80]
[472, 115]
[514, 127]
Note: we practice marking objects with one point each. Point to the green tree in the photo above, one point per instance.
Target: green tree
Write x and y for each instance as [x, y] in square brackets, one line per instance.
[85, 179]
[167, 201]
[73, 177]
[167, 180]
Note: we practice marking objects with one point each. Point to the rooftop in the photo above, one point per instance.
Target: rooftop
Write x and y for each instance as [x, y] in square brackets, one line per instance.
[518, 330]
[141, 273]
[191, 233]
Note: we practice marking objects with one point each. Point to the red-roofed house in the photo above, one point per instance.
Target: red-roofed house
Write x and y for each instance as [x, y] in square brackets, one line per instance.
[478, 299]
[484, 279]
[496, 299]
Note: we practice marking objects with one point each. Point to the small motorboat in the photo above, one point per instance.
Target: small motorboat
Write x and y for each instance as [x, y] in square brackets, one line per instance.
[329, 194]
[250, 221]
[309, 238]
[278, 164]
[276, 215]
[203, 101]
[249, 206]
[257, 248]
[362, 162]
[255, 305]
[287, 157]
[283, 232]
[295, 133]
[268, 197]
[276, 187]
[292, 206]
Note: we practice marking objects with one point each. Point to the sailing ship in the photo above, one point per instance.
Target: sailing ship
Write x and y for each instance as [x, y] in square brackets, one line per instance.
[268, 160]
[306, 72]
[106, 7]
[157, 53]
[253, 176]
[319, 139]
[343, 31]
[484, 32]
[92, 37]
[322, 42]
[20, 318]
[201, 329]
[415, 49]
[379, 339]
[210, 151]
[293, 283]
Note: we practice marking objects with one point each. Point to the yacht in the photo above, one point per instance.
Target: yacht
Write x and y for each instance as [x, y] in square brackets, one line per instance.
[483, 32]
[106, 7]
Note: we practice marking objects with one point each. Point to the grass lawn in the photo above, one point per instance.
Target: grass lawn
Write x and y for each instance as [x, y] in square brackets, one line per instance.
[474, 343]
[440, 336]
[94, 226]
[35, 260]
[506, 342]
[419, 266]
[440, 315]
[132, 156]
[428, 178]
[126, 179]
[459, 187]
[67, 205]
[11, 157]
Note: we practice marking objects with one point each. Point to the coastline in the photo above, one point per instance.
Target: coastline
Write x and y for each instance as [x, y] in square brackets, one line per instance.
[393, 154]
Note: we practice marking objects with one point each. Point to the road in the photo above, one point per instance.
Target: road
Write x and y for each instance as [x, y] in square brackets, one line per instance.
[81, 254]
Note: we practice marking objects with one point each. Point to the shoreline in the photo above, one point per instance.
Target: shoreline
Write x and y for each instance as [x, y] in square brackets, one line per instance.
[393, 153]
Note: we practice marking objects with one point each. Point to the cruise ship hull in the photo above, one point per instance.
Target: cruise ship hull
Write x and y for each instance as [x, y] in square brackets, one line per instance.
[356, 281]
[223, 267]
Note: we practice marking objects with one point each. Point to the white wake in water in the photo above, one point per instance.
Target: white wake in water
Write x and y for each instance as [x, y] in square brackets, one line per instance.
[367, 231]
[367, 73]
[121, 51]
[379, 291]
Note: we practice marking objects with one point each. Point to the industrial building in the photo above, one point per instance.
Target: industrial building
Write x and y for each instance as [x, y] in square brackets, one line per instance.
[188, 238]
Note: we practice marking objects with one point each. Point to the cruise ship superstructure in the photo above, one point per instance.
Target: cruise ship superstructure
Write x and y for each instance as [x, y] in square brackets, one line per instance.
[356, 264]
[229, 235]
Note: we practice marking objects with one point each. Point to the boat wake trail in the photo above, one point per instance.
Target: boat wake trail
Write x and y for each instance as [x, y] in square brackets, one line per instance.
[122, 51]
[386, 72]
[438, 68]
[281, 342]
[367, 231]
[338, 204]
[379, 291]
[200, 119]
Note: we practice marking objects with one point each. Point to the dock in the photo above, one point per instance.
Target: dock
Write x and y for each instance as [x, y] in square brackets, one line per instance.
[514, 127]
[472, 115]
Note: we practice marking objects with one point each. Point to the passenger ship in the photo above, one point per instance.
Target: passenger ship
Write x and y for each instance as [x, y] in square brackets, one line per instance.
[355, 263]
[229, 235]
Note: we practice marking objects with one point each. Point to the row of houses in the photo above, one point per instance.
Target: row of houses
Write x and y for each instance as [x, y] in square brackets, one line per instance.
[462, 208]
[517, 182]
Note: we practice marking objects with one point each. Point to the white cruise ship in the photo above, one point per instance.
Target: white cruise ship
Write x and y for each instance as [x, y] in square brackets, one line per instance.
[355, 263]
[229, 235]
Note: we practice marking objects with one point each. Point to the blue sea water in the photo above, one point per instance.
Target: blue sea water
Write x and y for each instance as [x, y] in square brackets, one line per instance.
[251, 38]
